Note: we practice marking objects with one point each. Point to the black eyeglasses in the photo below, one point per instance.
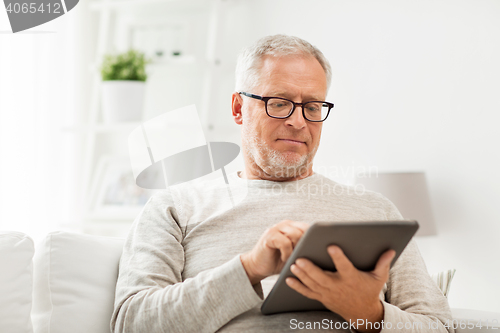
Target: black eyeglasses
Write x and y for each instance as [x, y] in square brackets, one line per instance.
[281, 108]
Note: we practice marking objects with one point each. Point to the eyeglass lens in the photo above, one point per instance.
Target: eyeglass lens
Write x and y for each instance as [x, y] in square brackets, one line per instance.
[281, 108]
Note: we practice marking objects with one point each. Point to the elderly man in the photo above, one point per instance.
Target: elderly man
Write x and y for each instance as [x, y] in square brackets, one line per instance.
[195, 261]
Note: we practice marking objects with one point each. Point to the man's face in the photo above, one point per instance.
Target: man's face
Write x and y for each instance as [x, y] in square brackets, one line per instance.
[281, 149]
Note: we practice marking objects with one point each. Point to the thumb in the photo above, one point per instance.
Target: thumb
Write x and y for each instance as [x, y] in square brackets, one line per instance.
[384, 263]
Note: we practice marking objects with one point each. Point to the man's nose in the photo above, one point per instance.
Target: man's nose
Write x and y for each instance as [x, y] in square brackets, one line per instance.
[297, 118]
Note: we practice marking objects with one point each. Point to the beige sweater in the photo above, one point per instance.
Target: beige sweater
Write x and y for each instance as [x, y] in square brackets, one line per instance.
[180, 270]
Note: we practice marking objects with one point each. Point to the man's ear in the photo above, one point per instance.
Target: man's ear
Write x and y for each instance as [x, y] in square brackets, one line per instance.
[236, 105]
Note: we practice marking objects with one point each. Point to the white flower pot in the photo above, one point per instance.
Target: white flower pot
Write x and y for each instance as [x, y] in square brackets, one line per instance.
[122, 101]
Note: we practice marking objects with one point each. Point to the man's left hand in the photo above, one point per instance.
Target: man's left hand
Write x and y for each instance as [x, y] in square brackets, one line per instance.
[349, 292]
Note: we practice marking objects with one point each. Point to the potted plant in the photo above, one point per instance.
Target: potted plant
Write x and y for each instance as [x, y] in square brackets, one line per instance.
[123, 86]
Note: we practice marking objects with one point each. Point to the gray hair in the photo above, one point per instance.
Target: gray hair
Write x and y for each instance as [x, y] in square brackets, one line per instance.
[250, 60]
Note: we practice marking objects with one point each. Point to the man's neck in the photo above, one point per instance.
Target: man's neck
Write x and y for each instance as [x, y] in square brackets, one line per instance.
[261, 175]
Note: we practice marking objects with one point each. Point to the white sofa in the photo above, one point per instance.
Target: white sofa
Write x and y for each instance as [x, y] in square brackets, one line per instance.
[68, 285]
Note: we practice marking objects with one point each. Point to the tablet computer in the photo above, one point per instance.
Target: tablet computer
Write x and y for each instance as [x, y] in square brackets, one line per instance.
[362, 242]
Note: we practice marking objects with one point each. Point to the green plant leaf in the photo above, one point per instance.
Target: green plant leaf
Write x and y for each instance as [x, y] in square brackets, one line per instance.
[130, 65]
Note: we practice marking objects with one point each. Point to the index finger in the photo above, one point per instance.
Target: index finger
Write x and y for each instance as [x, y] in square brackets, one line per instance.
[294, 234]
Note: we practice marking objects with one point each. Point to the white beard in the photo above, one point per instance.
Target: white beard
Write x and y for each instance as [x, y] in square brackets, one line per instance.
[273, 162]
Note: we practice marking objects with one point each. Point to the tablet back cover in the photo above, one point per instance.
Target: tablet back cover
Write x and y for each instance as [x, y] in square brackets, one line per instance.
[362, 242]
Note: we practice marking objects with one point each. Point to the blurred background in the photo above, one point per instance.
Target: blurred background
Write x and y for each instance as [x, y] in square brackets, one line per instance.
[415, 88]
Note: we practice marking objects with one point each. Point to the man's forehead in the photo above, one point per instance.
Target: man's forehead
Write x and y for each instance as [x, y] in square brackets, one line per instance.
[283, 76]
[288, 94]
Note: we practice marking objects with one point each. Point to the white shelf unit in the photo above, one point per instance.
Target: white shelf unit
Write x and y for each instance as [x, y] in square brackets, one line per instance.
[108, 11]
[135, 4]
[103, 128]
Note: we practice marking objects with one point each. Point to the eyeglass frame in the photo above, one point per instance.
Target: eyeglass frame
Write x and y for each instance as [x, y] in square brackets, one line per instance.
[294, 105]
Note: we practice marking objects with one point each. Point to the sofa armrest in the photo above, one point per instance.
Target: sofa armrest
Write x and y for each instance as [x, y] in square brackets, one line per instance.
[475, 321]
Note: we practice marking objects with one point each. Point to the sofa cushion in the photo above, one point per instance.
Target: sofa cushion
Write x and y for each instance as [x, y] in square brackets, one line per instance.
[74, 280]
[475, 321]
[16, 282]
[443, 280]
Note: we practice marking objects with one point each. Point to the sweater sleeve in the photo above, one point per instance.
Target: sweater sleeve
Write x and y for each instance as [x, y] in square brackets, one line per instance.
[151, 295]
[413, 301]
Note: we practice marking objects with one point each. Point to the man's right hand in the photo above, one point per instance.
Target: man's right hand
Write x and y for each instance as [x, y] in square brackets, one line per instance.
[272, 250]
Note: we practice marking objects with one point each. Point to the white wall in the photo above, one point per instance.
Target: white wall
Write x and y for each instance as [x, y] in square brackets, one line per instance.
[416, 87]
